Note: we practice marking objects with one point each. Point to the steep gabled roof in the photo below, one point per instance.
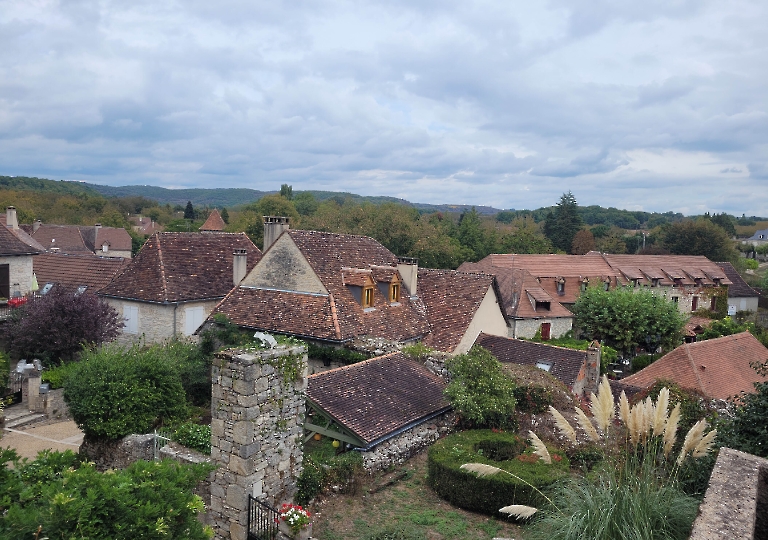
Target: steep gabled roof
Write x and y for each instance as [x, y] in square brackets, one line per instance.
[718, 368]
[566, 363]
[516, 285]
[178, 267]
[759, 235]
[72, 271]
[10, 244]
[67, 238]
[214, 223]
[738, 287]
[451, 299]
[376, 397]
[94, 237]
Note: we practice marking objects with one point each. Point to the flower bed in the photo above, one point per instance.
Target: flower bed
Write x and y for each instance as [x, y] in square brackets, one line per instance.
[488, 494]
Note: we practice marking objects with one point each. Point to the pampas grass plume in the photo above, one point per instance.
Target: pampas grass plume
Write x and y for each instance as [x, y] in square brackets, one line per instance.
[481, 469]
[541, 449]
[602, 405]
[520, 511]
[562, 424]
[670, 429]
[705, 444]
[586, 425]
[692, 439]
[660, 413]
[624, 409]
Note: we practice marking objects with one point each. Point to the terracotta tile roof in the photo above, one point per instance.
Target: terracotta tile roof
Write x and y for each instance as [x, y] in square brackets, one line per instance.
[214, 222]
[547, 269]
[68, 238]
[515, 284]
[718, 368]
[10, 244]
[451, 299]
[178, 267]
[376, 397]
[22, 235]
[72, 271]
[696, 326]
[145, 225]
[118, 239]
[738, 288]
[667, 268]
[566, 363]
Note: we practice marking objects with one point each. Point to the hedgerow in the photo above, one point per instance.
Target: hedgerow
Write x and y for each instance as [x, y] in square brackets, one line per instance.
[487, 494]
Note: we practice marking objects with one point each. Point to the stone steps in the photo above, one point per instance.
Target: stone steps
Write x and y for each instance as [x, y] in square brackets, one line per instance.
[19, 415]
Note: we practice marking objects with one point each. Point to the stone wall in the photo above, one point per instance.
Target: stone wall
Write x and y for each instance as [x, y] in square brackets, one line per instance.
[399, 449]
[736, 502]
[527, 328]
[119, 454]
[256, 432]
[156, 321]
[19, 274]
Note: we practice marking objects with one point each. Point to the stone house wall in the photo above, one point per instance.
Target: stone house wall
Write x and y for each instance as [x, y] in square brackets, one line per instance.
[399, 449]
[19, 274]
[158, 323]
[527, 328]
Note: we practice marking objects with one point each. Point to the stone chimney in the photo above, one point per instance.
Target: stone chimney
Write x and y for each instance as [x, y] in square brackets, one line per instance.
[409, 271]
[36, 225]
[273, 228]
[239, 266]
[10, 218]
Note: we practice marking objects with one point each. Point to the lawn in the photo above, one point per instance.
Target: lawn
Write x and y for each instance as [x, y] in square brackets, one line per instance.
[406, 509]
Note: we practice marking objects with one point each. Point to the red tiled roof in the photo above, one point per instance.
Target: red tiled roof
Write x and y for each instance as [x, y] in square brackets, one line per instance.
[10, 244]
[718, 368]
[666, 268]
[214, 222]
[117, 239]
[696, 325]
[67, 238]
[451, 299]
[738, 288]
[72, 271]
[376, 397]
[178, 267]
[566, 363]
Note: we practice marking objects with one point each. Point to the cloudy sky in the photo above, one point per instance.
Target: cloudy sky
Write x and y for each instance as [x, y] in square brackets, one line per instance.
[657, 105]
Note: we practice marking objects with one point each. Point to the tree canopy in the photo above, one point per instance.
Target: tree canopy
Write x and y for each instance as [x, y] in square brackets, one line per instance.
[562, 225]
[625, 318]
[699, 237]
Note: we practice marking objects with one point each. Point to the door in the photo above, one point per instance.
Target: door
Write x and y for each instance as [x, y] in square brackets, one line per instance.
[5, 281]
[546, 329]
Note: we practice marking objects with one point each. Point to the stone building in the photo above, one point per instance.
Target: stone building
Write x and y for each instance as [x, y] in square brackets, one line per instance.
[176, 280]
[79, 239]
[16, 278]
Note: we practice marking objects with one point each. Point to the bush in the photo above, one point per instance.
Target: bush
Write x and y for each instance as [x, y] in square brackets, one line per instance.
[334, 354]
[322, 467]
[57, 376]
[58, 325]
[487, 494]
[69, 499]
[532, 399]
[747, 430]
[193, 436]
[642, 361]
[115, 392]
[479, 391]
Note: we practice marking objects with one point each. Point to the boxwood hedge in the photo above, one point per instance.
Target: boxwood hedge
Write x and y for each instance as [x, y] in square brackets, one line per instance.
[486, 495]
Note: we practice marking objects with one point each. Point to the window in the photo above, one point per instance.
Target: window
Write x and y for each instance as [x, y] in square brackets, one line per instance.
[47, 287]
[583, 285]
[694, 303]
[5, 280]
[131, 319]
[713, 303]
[675, 299]
[394, 292]
[607, 284]
[81, 289]
[193, 319]
[367, 297]
[561, 286]
[105, 247]
[546, 366]
[655, 282]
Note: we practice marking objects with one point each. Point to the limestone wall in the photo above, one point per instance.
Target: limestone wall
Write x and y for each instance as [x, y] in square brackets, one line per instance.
[19, 274]
[399, 449]
[256, 432]
[157, 322]
[527, 328]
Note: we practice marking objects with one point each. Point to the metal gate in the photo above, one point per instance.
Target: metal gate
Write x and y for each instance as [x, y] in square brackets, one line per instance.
[262, 520]
[12, 394]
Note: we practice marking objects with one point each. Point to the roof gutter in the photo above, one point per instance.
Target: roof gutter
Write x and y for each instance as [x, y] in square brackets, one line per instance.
[403, 429]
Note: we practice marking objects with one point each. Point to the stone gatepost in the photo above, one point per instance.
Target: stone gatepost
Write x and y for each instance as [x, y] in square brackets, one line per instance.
[257, 409]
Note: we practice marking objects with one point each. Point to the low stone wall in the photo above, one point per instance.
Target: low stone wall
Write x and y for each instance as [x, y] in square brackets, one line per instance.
[399, 449]
[119, 454]
[736, 502]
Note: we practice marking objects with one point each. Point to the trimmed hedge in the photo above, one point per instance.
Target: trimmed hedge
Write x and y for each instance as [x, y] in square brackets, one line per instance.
[486, 495]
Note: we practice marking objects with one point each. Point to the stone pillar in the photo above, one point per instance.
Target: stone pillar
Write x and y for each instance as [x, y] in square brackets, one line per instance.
[256, 432]
[34, 401]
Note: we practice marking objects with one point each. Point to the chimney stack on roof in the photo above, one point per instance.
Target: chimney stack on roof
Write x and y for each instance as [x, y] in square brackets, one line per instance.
[239, 266]
[409, 271]
[273, 228]
[36, 225]
[10, 218]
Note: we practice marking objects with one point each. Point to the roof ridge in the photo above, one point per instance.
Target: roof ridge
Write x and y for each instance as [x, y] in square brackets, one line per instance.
[334, 315]
[356, 364]
[537, 343]
[693, 366]
[163, 280]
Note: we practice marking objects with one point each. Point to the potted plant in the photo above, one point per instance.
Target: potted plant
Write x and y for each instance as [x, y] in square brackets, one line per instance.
[295, 522]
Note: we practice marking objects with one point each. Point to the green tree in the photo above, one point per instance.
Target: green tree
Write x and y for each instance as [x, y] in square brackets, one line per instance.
[115, 392]
[525, 237]
[305, 203]
[583, 242]
[251, 219]
[189, 211]
[562, 225]
[699, 237]
[625, 318]
[286, 191]
[479, 390]
[471, 234]
[747, 429]
[725, 222]
[224, 215]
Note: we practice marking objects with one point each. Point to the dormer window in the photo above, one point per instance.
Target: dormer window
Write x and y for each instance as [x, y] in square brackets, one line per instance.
[105, 247]
[655, 282]
[81, 289]
[368, 296]
[678, 282]
[560, 286]
[394, 293]
[607, 284]
[583, 285]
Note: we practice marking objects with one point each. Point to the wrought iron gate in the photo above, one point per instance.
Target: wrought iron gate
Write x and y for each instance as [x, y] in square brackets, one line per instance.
[262, 520]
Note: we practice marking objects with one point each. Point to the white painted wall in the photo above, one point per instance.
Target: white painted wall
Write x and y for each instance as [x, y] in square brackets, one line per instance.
[488, 319]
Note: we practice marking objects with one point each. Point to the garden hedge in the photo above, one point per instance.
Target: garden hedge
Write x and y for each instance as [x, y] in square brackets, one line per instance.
[486, 495]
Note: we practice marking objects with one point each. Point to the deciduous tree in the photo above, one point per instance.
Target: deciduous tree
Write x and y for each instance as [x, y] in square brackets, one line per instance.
[583, 242]
[699, 237]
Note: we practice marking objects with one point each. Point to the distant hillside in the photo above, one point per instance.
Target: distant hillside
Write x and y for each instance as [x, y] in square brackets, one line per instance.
[62, 187]
[218, 197]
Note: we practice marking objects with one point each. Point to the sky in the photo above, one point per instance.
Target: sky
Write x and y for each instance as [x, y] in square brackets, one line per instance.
[659, 105]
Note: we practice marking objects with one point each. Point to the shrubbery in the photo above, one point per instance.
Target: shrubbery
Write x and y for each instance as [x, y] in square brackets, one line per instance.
[193, 436]
[56, 496]
[487, 494]
[334, 354]
[322, 467]
[115, 392]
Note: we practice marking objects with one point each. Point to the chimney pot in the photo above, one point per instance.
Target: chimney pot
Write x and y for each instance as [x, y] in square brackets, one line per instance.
[239, 265]
[10, 218]
[36, 225]
[273, 228]
[408, 267]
